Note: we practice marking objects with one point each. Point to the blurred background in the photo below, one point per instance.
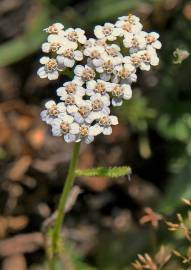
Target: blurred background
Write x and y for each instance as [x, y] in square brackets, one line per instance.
[103, 229]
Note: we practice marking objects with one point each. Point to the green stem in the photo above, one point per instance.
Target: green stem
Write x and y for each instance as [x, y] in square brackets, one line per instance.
[63, 200]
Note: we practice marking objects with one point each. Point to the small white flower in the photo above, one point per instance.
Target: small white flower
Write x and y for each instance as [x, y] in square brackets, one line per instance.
[71, 101]
[148, 58]
[120, 92]
[68, 57]
[129, 18]
[90, 43]
[67, 44]
[94, 52]
[72, 94]
[83, 111]
[52, 111]
[134, 42]
[64, 125]
[76, 36]
[84, 73]
[129, 23]
[50, 68]
[113, 50]
[99, 105]
[104, 124]
[71, 87]
[86, 133]
[55, 28]
[91, 110]
[124, 74]
[54, 42]
[152, 40]
[107, 31]
[134, 59]
[98, 87]
[106, 65]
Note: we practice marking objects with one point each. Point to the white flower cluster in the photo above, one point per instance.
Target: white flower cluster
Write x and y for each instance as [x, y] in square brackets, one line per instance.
[103, 78]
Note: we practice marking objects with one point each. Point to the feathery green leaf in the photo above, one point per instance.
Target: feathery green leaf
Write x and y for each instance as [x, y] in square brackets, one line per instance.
[111, 172]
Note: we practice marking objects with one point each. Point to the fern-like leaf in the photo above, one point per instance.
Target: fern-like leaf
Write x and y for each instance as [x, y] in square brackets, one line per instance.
[111, 172]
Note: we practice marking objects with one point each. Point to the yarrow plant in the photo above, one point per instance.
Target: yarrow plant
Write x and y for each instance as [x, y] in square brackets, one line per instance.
[104, 69]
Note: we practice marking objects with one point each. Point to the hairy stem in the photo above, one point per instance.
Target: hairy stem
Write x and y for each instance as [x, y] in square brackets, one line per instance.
[63, 200]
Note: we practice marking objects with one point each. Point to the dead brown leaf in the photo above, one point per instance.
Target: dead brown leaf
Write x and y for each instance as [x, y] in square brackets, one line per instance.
[12, 224]
[16, 262]
[23, 243]
[19, 168]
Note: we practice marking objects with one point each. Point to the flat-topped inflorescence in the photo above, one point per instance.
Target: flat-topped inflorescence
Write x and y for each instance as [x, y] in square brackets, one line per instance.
[104, 69]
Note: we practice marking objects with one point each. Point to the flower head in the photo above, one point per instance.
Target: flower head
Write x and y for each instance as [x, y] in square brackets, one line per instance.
[135, 42]
[82, 113]
[86, 133]
[75, 36]
[94, 53]
[84, 73]
[104, 67]
[54, 42]
[49, 69]
[119, 93]
[108, 31]
[52, 110]
[104, 124]
[152, 40]
[125, 73]
[97, 87]
[129, 23]
[55, 28]
[68, 56]
[64, 125]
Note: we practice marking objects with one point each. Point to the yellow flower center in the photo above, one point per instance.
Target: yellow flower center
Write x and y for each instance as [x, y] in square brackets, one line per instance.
[101, 42]
[117, 91]
[95, 54]
[124, 73]
[65, 127]
[52, 29]
[84, 131]
[70, 88]
[145, 57]
[112, 51]
[53, 110]
[127, 26]
[150, 39]
[54, 46]
[105, 121]
[107, 30]
[100, 88]
[88, 74]
[51, 65]
[135, 43]
[97, 105]
[108, 66]
[84, 110]
[135, 60]
[70, 100]
[73, 36]
[69, 53]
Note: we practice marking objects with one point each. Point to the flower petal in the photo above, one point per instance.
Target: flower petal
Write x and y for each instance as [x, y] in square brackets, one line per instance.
[69, 137]
[107, 131]
[53, 75]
